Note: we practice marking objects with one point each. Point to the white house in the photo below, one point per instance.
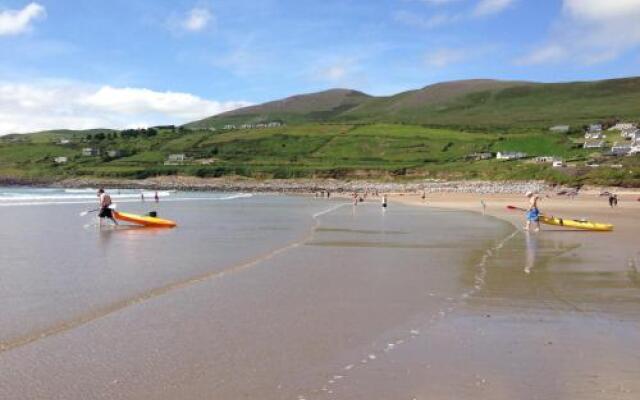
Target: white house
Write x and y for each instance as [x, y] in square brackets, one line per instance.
[229, 126]
[64, 141]
[61, 160]
[629, 133]
[274, 124]
[622, 126]
[559, 164]
[545, 159]
[560, 128]
[635, 150]
[593, 145]
[620, 149]
[90, 152]
[246, 126]
[510, 155]
[593, 128]
[594, 135]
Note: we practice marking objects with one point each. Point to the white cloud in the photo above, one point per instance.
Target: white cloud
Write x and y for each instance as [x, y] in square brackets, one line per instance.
[28, 107]
[14, 22]
[490, 7]
[444, 57]
[338, 71]
[590, 32]
[599, 9]
[419, 21]
[549, 54]
[483, 8]
[197, 19]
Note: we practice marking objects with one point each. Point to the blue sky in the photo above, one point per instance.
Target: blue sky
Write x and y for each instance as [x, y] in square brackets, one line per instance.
[118, 63]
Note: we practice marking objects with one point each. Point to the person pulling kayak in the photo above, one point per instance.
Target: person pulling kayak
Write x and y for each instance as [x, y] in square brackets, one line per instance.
[105, 207]
[533, 213]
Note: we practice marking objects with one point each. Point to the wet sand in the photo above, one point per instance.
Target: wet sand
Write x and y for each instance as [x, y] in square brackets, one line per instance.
[411, 303]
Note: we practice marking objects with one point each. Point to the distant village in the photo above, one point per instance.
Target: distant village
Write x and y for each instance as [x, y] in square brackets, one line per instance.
[620, 139]
[615, 140]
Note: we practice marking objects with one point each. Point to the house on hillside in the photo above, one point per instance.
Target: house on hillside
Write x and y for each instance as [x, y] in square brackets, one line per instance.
[560, 129]
[620, 149]
[90, 152]
[635, 150]
[61, 160]
[593, 144]
[175, 159]
[545, 159]
[480, 156]
[114, 153]
[64, 141]
[246, 126]
[622, 126]
[510, 155]
[274, 124]
[630, 133]
[558, 164]
[594, 128]
[229, 127]
[594, 135]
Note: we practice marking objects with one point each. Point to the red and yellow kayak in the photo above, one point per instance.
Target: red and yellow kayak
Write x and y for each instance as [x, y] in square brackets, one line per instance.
[151, 222]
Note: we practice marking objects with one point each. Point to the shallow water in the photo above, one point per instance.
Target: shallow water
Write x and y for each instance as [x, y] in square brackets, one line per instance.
[273, 297]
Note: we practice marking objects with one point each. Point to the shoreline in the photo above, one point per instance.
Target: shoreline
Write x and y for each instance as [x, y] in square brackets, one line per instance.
[605, 251]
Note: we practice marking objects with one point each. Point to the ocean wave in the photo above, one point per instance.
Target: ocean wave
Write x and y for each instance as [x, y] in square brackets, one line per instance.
[50, 200]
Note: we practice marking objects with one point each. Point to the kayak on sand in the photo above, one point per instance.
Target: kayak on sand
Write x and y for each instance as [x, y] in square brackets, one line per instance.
[571, 223]
[144, 220]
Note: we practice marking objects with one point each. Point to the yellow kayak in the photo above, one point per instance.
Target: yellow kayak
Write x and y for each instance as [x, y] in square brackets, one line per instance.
[151, 222]
[576, 224]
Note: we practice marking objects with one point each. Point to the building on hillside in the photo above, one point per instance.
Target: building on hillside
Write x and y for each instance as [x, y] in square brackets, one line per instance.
[629, 133]
[621, 126]
[64, 141]
[229, 127]
[510, 155]
[246, 126]
[635, 150]
[593, 144]
[175, 159]
[480, 156]
[90, 152]
[620, 149]
[274, 124]
[558, 164]
[545, 159]
[61, 160]
[261, 125]
[114, 153]
[594, 135]
[560, 128]
[594, 128]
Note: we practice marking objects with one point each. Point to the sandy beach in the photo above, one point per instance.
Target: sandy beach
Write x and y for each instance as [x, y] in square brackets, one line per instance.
[297, 297]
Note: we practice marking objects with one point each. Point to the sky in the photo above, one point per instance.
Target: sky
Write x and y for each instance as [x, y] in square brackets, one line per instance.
[80, 64]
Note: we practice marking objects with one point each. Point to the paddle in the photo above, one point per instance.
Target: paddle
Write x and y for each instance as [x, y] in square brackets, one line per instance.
[85, 213]
[516, 208]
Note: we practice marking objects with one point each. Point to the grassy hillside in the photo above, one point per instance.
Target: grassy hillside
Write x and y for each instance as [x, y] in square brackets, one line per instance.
[297, 109]
[479, 104]
[381, 151]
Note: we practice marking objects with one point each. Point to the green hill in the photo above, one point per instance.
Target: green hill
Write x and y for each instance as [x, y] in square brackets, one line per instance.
[470, 104]
[322, 106]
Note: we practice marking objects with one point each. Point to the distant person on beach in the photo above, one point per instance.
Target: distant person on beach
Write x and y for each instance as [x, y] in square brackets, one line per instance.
[355, 199]
[424, 194]
[141, 196]
[613, 200]
[484, 207]
[156, 197]
[384, 201]
[533, 213]
[105, 207]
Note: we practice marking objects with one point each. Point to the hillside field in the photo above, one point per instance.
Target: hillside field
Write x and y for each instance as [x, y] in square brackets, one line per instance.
[345, 151]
